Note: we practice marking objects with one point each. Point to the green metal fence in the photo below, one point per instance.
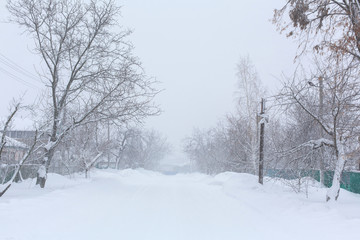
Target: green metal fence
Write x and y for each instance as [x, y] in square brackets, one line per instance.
[349, 180]
[26, 172]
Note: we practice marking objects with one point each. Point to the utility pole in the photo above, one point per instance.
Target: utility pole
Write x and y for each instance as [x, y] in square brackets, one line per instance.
[262, 134]
[321, 131]
[108, 139]
[321, 107]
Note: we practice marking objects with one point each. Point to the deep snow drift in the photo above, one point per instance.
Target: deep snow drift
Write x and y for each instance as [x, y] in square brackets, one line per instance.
[144, 205]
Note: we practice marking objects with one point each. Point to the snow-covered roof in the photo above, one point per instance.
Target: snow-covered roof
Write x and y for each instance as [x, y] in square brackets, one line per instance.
[10, 142]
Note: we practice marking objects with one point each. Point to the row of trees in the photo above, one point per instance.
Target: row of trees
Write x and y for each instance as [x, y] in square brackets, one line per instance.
[314, 125]
[96, 89]
[110, 146]
[315, 117]
[233, 144]
[329, 32]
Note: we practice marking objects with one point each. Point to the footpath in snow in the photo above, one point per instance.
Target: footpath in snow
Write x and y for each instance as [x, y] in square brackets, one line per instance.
[144, 205]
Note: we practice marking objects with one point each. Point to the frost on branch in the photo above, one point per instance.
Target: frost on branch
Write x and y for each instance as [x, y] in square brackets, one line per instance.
[314, 144]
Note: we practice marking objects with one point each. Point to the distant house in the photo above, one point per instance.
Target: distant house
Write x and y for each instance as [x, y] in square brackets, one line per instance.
[26, 137]
[13, 150]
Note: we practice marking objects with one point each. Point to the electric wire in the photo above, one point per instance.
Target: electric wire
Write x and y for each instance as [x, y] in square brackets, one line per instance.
[18, 79]
[8, 64]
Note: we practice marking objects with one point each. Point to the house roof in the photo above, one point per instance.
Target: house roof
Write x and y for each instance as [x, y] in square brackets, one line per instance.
[10, 142]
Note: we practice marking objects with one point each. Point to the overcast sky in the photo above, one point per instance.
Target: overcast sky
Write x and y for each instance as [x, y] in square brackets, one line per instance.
[191, 46]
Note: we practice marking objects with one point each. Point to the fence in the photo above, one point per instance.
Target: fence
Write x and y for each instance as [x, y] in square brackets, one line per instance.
[349, 180]
[30, 171]
[7, 172]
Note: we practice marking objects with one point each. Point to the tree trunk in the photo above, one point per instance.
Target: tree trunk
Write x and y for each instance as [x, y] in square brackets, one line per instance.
[44, 168]
[334, 190]
[41, 176]
[91, 164]
[117, 163]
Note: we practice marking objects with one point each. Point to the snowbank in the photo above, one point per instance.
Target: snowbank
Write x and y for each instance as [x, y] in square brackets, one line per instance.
[140, 204]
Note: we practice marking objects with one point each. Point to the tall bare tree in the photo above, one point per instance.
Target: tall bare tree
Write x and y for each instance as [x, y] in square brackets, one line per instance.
[250, 93]
[340, 116]
[88, 65]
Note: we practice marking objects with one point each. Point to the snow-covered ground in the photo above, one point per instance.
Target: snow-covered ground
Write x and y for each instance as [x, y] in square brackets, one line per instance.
[144, 205]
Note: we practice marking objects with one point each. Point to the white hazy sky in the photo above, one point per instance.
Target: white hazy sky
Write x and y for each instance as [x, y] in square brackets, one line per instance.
[191, 46]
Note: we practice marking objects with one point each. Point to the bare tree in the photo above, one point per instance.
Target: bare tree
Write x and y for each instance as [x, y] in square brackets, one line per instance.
[340, 117]
[240, 144]
[144, 149]
[84, 146]
[88, 66]
[122, 143]
[13, 110]
[330, 30]
[221, 148]
[292, 153]
[232, 145]
[249, 95]
[15, 107]
[19, 165]
[326, 26]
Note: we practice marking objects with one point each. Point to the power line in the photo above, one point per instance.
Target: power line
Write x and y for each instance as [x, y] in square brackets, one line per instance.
[17, 66]
[11, 65]
[15, 69]
[18, 79]
[14, 66]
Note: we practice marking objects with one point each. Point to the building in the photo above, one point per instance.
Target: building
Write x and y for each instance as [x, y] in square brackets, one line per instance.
[26, 137]
[13, 150]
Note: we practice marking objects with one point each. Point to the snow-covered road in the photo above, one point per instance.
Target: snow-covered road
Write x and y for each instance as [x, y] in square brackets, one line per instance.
[145, 205]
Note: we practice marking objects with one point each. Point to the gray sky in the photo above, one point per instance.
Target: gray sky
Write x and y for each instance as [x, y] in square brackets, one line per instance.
[191, 46]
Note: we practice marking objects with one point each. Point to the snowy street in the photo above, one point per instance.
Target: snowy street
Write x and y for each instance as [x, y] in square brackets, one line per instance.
[140, 204]
[142, 120]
